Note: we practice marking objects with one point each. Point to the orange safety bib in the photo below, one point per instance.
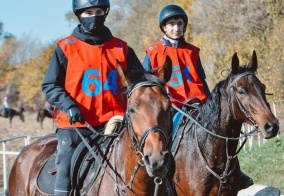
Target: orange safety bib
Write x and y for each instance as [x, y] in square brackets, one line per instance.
[92, 80]
[185, 82]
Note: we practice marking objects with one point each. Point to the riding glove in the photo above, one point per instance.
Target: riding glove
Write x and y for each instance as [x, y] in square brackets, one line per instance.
[75, 115]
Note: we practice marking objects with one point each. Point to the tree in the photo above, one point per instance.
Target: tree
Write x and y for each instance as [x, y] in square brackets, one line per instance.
[30, 76]
[221, 28]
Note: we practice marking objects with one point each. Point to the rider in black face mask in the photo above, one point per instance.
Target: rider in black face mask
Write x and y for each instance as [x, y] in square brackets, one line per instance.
[92, 20]
[82, 62]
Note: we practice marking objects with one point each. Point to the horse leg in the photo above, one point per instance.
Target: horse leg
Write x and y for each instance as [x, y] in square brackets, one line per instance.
[41, 121]
[10, 122]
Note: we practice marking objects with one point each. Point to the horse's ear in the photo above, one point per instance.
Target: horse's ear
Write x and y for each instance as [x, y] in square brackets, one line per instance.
[122, 74]
[252, 65]
[235, 63]
[166, 71]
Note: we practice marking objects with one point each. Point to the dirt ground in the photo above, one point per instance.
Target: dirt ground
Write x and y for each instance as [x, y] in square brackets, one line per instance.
[28, 128]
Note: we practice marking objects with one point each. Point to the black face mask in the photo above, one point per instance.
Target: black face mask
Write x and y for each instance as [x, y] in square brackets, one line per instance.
[93, 25]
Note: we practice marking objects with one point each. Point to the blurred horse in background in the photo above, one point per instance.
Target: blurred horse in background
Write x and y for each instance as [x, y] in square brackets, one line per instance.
[10, 113]
[41, 114]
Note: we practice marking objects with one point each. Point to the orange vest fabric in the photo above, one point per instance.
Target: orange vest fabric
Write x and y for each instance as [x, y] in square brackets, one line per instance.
[185, 82]
[92, 80]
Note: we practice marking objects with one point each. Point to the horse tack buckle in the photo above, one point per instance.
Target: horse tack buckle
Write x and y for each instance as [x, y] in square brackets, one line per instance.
[223, 178]
[117, 192]
[158, 181]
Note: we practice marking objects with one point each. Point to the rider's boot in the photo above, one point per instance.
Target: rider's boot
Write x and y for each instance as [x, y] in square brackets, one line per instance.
[245, 181]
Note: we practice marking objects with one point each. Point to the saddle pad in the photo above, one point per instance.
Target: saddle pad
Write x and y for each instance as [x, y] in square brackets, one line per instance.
[46, 181]
[80, 158]
[268, 191]
[177, 119]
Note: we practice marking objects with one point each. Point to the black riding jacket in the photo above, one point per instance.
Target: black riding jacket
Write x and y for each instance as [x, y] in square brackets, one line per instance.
[54, 81]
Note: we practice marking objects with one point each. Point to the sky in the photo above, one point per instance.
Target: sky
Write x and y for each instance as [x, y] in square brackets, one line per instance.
[42, 19]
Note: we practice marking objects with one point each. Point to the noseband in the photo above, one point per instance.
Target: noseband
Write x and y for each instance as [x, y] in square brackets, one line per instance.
[138, 144]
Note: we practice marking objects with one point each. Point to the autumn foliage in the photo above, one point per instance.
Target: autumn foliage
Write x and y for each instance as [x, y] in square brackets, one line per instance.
[218, 27]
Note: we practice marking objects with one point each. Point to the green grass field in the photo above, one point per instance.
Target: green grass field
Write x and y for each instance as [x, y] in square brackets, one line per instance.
[265, 165]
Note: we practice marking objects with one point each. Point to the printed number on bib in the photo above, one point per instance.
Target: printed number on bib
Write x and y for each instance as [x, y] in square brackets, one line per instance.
[176, 78]
[92, 86]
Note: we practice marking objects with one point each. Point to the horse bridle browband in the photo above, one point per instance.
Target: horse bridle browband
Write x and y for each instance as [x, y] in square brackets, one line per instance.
[138, 144]
[233, 95]
[240, 106]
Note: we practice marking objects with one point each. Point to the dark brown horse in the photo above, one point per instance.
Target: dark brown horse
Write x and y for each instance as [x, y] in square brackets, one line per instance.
[206, 144]
[43, 113]
[10, 113]
[139, 153]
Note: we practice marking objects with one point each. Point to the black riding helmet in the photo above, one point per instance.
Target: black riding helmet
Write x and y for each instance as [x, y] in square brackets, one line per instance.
[80, 5]
[171, 11]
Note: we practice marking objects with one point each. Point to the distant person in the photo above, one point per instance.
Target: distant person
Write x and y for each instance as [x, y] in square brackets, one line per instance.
[82, 82]
[5, 102]
[6, 109]
[188, 76]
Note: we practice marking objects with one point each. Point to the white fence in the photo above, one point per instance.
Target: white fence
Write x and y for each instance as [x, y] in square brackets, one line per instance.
[276, 106]
[4, 151]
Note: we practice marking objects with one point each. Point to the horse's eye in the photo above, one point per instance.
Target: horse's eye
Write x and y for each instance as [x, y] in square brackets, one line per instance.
[133, 107]
[131, 110]
[241, 91]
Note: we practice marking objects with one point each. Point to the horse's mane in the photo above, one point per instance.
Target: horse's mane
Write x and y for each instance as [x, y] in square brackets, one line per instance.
[210, 110]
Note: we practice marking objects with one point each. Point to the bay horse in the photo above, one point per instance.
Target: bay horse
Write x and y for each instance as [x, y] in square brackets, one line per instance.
[205, 147]
[43, 113]
[10, 113]
[139, 153]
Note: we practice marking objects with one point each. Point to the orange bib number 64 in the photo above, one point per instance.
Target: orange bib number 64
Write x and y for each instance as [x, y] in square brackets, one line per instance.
[92, 86]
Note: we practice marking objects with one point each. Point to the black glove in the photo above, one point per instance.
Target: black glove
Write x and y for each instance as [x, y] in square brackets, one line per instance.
[75, 115]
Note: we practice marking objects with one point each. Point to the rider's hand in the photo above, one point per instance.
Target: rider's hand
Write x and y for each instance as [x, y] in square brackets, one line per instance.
[75, 115]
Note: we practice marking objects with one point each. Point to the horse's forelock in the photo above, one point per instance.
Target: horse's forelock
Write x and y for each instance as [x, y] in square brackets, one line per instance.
[142, 77]
[153, 78]
[212, 106]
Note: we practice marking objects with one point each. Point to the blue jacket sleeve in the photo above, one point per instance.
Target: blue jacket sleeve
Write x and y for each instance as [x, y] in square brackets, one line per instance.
[147, 63]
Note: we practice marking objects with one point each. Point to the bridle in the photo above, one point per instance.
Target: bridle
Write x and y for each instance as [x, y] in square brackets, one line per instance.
[226, 173]
[234, 97]
[138, 144]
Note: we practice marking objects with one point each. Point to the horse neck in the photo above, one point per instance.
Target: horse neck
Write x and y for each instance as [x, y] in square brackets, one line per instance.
[21, 109]
[217, 117]
[17, 113]
[126, 160]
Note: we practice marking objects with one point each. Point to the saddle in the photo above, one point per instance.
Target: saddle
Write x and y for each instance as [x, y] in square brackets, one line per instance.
[180, 122]
[84, 167]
